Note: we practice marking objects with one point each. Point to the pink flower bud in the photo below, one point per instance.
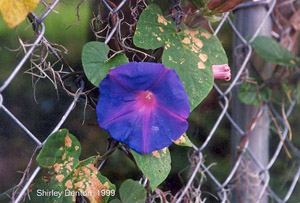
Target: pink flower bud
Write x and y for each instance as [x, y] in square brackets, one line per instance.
[222, 72]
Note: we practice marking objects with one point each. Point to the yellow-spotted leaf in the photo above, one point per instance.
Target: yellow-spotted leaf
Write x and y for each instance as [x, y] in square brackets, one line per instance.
[15, 11]
[190, 52]
[67, 176]
[183, 140]
[156, 166]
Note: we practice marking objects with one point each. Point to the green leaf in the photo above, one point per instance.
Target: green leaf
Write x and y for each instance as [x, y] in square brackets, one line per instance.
[95, 62]
[153, 29]
[272, 51]
[156, 166]
[183, 140]
[132, 192]
[248, 94]
[67, 176]
[190, 52]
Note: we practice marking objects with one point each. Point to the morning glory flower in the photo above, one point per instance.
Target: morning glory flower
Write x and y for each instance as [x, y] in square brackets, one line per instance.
[143, 105]
[222, 72]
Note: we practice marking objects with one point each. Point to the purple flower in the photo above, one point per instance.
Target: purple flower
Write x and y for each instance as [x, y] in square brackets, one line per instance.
[222, 72]
[143, 105]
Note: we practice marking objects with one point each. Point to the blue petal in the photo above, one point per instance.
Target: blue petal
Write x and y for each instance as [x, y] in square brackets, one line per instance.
[144, 127]
[137, 76]
[145, 133]
[169, 93]
[156, 131]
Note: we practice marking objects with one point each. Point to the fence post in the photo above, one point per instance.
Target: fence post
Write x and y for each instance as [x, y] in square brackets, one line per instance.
[248, 180]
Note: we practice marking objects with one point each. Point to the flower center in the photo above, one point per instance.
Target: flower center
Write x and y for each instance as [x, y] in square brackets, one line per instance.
[146, 98]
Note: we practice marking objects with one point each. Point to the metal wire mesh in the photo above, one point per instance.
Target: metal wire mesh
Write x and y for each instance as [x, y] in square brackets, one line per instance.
[224, 189]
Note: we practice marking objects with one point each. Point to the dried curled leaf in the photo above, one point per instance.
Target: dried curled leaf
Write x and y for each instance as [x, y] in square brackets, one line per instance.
[15, 11]
[67, 176]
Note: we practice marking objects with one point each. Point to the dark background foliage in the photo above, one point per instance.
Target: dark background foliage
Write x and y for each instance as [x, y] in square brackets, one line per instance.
[39, 105]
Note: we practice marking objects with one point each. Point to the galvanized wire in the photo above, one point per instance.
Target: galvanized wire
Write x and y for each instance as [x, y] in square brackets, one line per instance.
[223, 189]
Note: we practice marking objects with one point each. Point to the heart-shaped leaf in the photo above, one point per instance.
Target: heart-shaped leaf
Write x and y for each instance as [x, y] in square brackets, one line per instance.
[95, 62]
[190, 52]
[67, 176]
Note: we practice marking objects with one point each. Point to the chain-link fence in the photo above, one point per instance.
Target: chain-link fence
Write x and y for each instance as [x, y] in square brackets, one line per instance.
[242, 180]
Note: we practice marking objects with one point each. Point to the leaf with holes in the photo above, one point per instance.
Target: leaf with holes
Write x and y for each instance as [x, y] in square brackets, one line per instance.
[15, 11]
[156, 166]
[95, 62]
[272, 51]
[132, 192]
[183, 141]
[190, 52]
[67, 176]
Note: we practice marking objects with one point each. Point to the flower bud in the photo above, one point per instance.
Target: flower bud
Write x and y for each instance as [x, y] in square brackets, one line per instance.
[222, 72]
